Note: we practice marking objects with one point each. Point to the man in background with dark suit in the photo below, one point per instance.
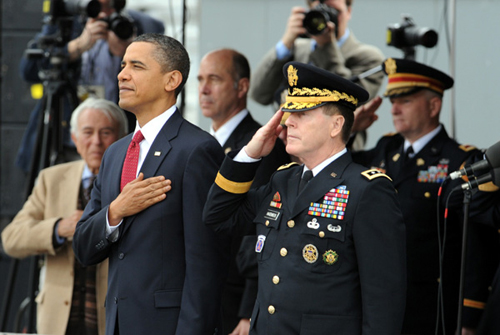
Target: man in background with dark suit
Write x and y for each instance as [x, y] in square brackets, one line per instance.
[166, 269]
[223, 83]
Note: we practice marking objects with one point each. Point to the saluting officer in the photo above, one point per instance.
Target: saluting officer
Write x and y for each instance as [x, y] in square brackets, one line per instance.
[418, 158]
[332, 255]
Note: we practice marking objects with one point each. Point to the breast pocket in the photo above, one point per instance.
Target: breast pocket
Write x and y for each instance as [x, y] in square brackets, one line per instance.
[267, 225]
[323, 243]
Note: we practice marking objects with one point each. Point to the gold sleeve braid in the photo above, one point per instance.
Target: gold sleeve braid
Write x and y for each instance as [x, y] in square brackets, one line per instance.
[232, 186]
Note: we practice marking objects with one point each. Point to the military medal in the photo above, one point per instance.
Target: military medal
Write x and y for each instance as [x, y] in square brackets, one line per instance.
[334, 204]
[334, 229]
[330, 257]
[313, 224]
[310, 253]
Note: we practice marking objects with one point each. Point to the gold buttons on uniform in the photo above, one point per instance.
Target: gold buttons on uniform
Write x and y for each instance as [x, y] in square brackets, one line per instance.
[283, 252]
[291, 224]
[276, 280]
[271, 309]
[267, 222]
[427, 194]
[321, 234]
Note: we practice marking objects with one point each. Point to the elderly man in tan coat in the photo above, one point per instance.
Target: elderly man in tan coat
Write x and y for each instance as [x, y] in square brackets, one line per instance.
[71, 300]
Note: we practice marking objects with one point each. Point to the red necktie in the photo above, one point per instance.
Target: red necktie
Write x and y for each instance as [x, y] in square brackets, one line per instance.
[129, 171]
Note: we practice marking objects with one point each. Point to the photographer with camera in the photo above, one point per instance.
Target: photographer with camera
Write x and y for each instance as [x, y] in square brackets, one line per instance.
[326, 43]
[86, 40]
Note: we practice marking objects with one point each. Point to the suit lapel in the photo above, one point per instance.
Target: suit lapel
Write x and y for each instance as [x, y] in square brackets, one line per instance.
[71, 177]
[238, 138]
[69, 184]
[292, 188]
[161, 146]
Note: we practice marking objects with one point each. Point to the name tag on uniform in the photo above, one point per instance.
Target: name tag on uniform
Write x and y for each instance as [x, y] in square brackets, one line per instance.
[272, 215]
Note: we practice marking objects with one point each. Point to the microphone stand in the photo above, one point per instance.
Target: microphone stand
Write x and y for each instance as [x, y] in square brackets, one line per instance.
[466, 205]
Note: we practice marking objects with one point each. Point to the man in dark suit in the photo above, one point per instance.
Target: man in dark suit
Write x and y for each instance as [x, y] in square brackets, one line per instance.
[166, 269]
[223, 82]
[331, 251]
[419, 158]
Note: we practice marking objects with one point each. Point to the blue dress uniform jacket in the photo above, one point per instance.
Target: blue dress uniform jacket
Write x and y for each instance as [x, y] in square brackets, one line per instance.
[417, 181]
[167, 269]
[319, 275]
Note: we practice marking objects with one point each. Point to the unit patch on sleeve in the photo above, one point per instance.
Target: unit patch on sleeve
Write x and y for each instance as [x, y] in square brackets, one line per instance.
[260, 243]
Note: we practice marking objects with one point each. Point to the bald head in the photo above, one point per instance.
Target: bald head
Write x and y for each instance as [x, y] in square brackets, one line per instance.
[223, 82]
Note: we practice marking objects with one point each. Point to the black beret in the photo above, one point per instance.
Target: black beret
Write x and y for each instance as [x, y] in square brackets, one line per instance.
[310, 87]
[407, 76]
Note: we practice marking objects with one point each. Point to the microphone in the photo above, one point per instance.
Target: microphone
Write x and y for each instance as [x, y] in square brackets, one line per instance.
[491, 161]
[493, 175]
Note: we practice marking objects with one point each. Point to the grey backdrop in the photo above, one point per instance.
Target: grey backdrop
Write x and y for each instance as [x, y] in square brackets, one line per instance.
[253, 27]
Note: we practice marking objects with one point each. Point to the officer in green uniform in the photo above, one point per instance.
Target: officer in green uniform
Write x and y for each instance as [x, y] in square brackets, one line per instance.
[331, 250]
[418, 158]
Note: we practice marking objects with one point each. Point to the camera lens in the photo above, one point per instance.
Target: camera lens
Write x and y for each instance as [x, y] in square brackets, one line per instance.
[315, 22]
[423, 36]
[121, 26]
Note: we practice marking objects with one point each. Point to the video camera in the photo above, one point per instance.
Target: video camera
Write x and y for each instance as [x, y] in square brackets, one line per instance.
[316, 19]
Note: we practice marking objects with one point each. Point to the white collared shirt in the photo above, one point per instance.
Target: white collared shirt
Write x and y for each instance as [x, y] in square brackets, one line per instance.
[223, 133]
[422, 141]
[324, 163]
[150, 130]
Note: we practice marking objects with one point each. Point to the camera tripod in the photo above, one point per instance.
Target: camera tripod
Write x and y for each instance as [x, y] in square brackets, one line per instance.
[59, 93]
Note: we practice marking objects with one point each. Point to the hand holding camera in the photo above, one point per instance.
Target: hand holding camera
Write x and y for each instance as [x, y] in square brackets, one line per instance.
[94, 30]
[319, 23]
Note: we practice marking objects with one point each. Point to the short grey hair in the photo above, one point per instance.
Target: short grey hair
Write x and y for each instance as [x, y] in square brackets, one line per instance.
[111, 110]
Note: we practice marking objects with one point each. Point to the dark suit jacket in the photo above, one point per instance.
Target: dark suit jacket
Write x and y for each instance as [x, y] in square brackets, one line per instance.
[319, 275]
[241, 291]
[418, 183]
[166, 270]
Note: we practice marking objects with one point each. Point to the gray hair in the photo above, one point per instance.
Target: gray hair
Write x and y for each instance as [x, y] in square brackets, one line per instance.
[108, 108]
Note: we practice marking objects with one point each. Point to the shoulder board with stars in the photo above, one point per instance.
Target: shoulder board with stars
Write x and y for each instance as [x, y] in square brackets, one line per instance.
[374, 173]
[466, 147]
[286, 166]
[390, 134]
